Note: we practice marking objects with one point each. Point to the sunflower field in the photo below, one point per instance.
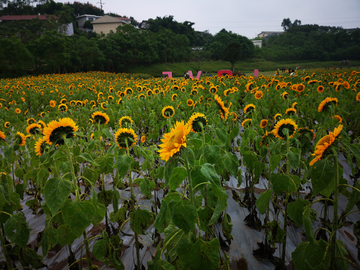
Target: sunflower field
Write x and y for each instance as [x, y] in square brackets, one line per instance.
[127, 171]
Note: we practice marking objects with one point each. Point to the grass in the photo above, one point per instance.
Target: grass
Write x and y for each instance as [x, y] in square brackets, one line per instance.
[212, 67]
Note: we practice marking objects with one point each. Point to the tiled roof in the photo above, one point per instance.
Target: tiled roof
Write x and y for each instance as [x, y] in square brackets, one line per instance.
[26, 17]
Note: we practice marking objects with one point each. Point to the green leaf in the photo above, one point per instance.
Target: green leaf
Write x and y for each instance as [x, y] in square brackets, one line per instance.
[169, 166]
[341, 252]
[17, 229]
[234, 132]
[294, 183]
[160, 222]
[249, 159]
[294, 159]
[299, 254]
[188, 155]
[280, 182]
[101, 249]
[78, 215]
[200, 255]
[56, 192]
[172, 237]
[140, 220]
[49, 239]
[178, 176]
[87, 157]
[204, 215]
[321, 173]
[231, 163]
[209, 172]
[295, 211]
[306, 219]
[262, 202]
[184, 216]
[222, 135]
[227, 226]
[123, 164]
[42, 176]
[212, 153]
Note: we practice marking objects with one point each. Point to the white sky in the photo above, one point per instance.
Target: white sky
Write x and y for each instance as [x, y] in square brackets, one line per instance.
[244, 17]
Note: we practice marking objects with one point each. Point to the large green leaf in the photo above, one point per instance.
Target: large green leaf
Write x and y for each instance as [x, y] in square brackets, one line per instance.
[178, 176]
[200, 255]
[262, 202]
[212, 153]
[294, 159]
[78, 215]
[169, 166]
[184, 216]
[17, 229]
[56, 192]
[123, 164]
[280, 182]
[321, 173]
[231, 163]
[140, 220]
[295, 211]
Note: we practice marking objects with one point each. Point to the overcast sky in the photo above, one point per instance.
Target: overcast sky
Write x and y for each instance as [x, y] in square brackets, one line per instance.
[244, 17]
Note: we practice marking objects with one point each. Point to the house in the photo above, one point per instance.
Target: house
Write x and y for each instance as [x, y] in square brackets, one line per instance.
[81, 19]
[144, 25]
[265, 34]
[257, 42]
[107, 23]
[67, 29]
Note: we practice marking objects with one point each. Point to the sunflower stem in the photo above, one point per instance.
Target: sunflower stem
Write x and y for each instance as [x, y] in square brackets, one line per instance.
[335, 204]
[2, 240]
[88, 257]
[68, 153]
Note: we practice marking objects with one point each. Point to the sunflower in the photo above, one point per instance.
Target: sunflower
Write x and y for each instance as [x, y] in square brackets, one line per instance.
[141, 97]
[285, 124]
[246, 123]
[234, 115]
[258, 94]
[17, 110]
[358, 97]
[338, 117]
[304, 130]
[320, 89]
[63, 107]
[197, 122]
[125, 137]
[291, 111]
[63, 101]
[267, 138]
[224, 112]
[174, 140]
[52, 103]
[263, 123]
[325, 104]
[6, 124]
[346, 85]
[149, 92]
[190, 102]
[285, 95]
[213, 90]
[40, 146]
[143, 139]
[324, 144]
[101, 117]
[2, 136]
[103, 105]
[300, 87]
[55, 131]
[30, 121]
[249, 87]
[168, 111]
[249, 108]
[194, 92]
[42, 124]
[20, 138]
[294, 105]
[125, 121]
[174, 97]
[33, 129]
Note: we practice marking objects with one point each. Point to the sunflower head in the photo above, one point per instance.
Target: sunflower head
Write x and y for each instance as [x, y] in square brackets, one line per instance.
[56, 131]
[174, 97]
[263, 123]
[34, 129]
[246, 123]
[30, 121]
[291, 111]
[323, 145]
[267, 138]
[20, 138]
[197, 122]
[307, 133]
[125, 138]
[249, 108]
[168, 111]
[2, 136]
[326, 103]
[125, 121]
[40, 146]
[174, 140]
[258, 94]
[101, 117]
[63, 107]
[284, 127]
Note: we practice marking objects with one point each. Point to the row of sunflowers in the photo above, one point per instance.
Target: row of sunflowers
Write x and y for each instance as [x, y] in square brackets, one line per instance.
[63, 135]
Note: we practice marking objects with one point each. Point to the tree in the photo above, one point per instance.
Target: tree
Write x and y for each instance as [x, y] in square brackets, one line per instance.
[232, 53]
[286, 24]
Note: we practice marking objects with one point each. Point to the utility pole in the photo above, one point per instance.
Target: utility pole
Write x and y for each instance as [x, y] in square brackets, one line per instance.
[101, 5]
